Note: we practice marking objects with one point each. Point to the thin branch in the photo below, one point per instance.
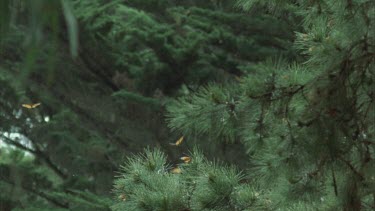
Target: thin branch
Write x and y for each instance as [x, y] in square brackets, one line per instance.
[286, 94]
[40, 194]
[16, 144]
[37, 153]
[50, 164]
[352, 168]
[334, 181]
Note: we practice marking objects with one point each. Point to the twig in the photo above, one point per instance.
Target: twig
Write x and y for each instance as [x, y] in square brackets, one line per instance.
[16, 144]
[38, 153]
[352, 168]
[334, 181]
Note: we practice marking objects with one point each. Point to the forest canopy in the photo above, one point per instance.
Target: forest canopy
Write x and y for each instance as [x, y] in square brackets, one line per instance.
[187, 105]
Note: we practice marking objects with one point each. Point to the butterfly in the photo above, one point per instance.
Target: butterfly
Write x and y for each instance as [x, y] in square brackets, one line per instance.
[176, 170]
[178, 142]
[30, 106]
[122, 197]
[186, 159]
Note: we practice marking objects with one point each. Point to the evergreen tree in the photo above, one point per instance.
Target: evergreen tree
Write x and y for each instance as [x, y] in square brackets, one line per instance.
[281, 94]
[307, 124]
[105, 98]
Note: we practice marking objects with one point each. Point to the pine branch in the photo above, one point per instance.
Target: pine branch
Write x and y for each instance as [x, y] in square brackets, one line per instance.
[40, 194]
[16, 144]
[51, 165]
[286, 93]
[352, 168]
[38, 153]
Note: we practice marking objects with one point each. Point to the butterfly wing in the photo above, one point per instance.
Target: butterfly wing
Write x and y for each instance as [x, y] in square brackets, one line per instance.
[186, 159]
[178, 142]
[35, 105]
[27, 105]
[176, 170]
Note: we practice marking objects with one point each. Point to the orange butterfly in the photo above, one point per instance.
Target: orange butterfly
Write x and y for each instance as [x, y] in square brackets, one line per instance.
[186, 159]
[178, 142]
[30, 106]
[176, 170]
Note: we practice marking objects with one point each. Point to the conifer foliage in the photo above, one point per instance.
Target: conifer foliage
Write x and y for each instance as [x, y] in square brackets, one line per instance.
[149, 183]
[162, 48]
[99, 94]
[307, 124]
[240, 104]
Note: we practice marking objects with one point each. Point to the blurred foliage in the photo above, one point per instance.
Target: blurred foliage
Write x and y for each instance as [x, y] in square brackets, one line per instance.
[286, 83]
[103, 93]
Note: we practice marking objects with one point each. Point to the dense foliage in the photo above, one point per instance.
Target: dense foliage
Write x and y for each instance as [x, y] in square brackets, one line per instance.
[272, 103]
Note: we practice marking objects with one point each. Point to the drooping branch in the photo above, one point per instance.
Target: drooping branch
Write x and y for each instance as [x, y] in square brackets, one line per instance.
[37, 153]
[39, 193]
[17, 144]
[50, 164]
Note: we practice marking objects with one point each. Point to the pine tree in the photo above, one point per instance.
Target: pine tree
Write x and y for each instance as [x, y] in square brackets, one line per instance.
[307, 124]
[180, 49]
[163, 48]
[105, 98]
